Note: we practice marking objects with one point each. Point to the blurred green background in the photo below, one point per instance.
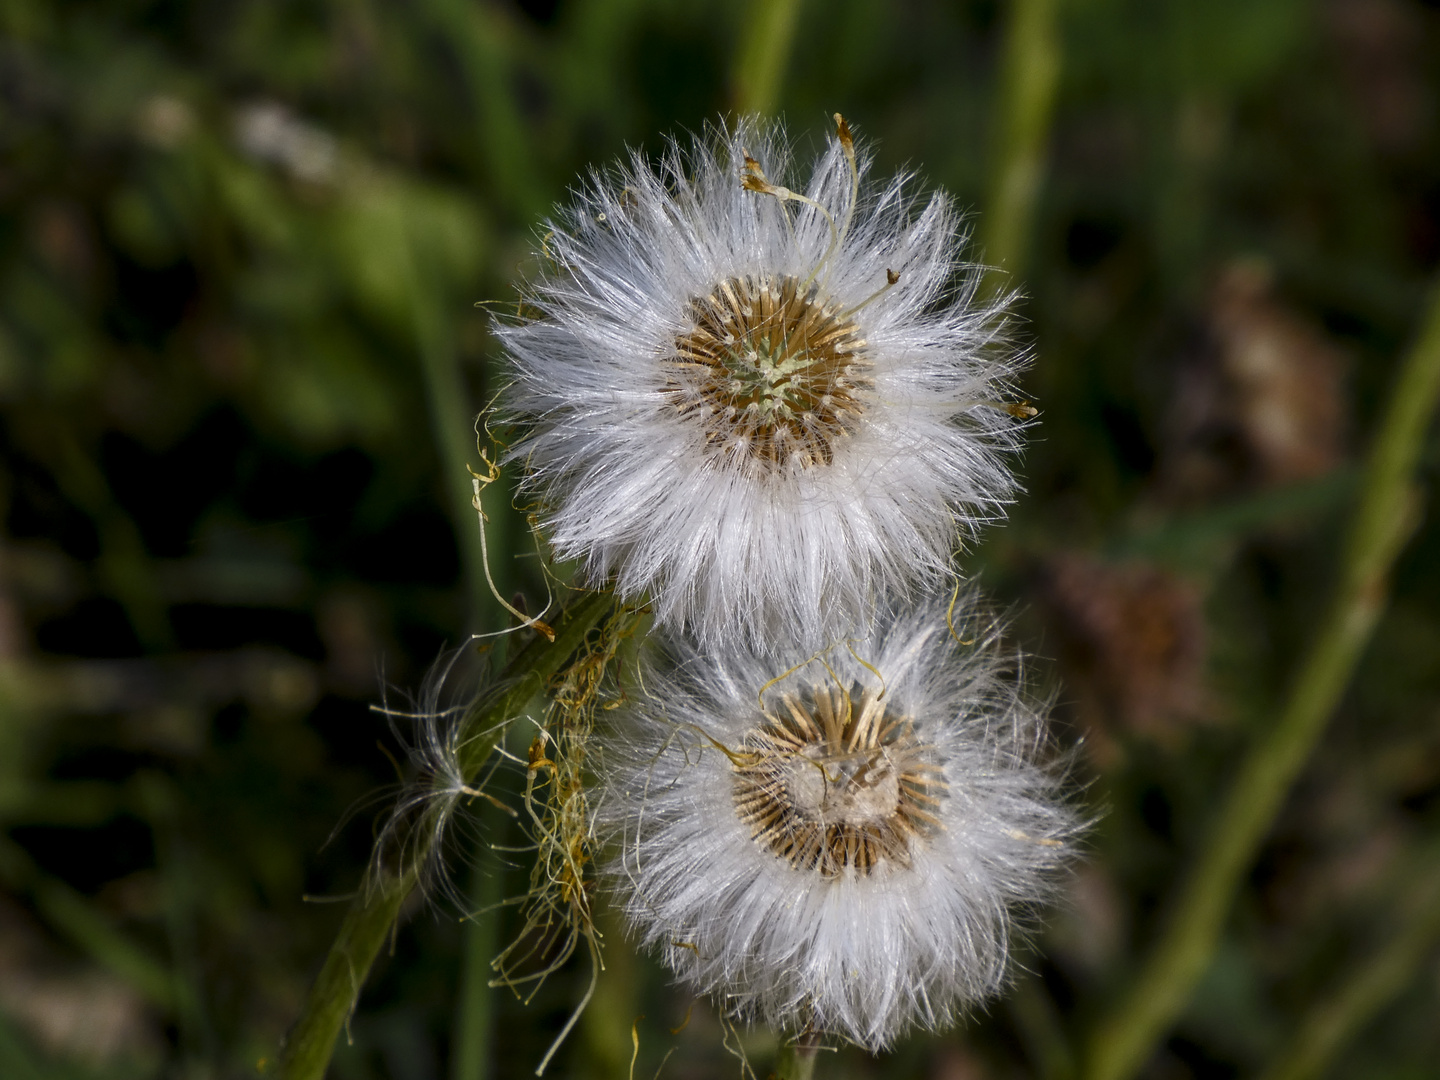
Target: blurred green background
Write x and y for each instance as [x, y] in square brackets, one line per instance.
[241, 248]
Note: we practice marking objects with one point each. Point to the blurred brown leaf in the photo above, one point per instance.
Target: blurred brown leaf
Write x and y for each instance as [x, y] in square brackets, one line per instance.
[1262, 403]
[1132, 642]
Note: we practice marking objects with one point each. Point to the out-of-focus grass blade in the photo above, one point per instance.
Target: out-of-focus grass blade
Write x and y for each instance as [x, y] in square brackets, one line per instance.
[18, 1061]
[74, 917]
[1188, 540]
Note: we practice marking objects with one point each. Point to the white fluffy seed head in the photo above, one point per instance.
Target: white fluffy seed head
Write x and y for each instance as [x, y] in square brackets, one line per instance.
[759, 406]
[843, 849]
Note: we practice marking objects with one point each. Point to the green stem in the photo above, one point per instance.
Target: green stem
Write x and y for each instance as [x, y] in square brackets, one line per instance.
[372, 916]
[610, 1018]
[475, 1010]
[1384, 520]
[180, 892]
[484, 563]
[452, 424]
[1029, 75]
[486, 42]
[1331, 1022]
[766, 38]
[452, 421]
[1041, 1033]
[796, 1060]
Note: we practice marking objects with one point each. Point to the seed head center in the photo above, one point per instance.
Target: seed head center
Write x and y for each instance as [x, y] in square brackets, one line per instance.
[770, 373]
[837, 783]
[852, 788]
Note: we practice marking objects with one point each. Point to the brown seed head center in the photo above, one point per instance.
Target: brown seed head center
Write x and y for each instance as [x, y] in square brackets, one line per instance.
[837, 783]
[773, 375]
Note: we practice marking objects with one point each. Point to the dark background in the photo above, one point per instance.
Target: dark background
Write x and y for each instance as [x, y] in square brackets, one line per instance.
[241, 246]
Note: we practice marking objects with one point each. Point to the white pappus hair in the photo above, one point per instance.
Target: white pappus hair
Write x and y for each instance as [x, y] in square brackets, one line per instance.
[759, 406]
[850, 858]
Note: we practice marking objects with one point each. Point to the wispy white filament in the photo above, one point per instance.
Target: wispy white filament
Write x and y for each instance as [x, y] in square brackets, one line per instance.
[866, 954]
[645, 488]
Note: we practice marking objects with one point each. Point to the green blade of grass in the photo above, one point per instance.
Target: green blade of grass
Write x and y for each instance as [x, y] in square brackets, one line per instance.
[1383, 521]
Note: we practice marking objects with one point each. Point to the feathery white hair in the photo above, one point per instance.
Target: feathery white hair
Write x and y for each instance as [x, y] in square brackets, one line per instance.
[851, 859]
[761, 407]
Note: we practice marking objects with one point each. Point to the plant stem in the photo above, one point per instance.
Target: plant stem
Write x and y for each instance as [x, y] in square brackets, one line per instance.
[452, 420]
[372, 916]
[452, 423]
[609, 1021]
[1041, 1033]
[1029, 75]
[1332, 1021]
[769, 31]
[471, 1036]
[796, 1060]
[1387, 513]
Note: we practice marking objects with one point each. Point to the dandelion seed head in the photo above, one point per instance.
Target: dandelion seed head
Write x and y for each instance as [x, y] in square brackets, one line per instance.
[772, 376]
[434, 792]
[757, 395]
[850, 850]
[837, 784]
